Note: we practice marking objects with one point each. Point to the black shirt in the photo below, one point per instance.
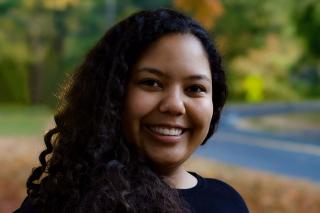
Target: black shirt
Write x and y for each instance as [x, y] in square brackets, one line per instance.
[212, 195]
[209, 195]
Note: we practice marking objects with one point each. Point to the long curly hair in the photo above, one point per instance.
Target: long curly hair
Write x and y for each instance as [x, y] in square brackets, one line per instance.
[87, 165]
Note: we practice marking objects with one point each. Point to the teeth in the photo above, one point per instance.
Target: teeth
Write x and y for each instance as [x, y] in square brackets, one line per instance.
[167, 131]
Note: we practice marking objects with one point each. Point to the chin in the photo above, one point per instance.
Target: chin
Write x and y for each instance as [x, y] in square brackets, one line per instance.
[167, 162]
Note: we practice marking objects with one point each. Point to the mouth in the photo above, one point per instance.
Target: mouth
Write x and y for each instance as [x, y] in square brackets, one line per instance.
[166, 131]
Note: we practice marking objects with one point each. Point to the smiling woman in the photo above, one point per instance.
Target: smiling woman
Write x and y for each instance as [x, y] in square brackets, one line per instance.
[168, 106]
[147, 95]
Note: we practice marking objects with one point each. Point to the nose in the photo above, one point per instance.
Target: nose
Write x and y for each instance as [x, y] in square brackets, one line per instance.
[172, 102]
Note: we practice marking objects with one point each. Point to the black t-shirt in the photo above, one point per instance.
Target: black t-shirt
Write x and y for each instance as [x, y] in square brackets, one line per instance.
[209, 195]
[212, 195]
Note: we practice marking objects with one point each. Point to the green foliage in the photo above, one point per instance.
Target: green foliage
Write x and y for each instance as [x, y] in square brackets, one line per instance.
[14, 56]
[14, 79]
[290, 69]
[236, 32]
[43, 40]
[272, 64]
[306, 72]
[306, 16]
[254, 88]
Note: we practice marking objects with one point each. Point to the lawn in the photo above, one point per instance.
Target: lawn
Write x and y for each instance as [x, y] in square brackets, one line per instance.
[18, 120]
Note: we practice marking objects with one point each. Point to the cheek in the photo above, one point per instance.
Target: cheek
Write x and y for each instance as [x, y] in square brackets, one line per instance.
[201, 113]
[139, 104]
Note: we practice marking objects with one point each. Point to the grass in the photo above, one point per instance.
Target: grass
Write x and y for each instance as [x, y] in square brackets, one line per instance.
[23, 120]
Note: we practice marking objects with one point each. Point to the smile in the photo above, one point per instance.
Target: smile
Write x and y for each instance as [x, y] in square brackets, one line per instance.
[166, 131]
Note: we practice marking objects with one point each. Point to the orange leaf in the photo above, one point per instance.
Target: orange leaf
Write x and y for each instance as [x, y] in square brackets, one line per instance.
[206, 12]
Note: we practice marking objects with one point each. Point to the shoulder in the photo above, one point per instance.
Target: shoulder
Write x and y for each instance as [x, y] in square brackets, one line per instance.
[220, 187]
[213, 195]
[228, 196]
[25, 207]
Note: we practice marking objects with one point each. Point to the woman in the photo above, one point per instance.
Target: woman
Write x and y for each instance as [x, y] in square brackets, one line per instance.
[146, 96]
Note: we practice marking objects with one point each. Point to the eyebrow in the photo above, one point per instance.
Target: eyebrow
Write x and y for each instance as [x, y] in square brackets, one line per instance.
[151, 70]
[160, 73]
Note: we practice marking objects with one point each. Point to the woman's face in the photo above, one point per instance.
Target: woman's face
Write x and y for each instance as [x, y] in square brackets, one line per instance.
[168, 107]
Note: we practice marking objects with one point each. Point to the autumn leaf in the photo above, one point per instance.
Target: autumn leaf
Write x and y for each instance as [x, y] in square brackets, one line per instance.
[206, 12]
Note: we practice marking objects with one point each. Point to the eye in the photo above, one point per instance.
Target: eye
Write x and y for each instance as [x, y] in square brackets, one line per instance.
[196, 89]
[150, 83]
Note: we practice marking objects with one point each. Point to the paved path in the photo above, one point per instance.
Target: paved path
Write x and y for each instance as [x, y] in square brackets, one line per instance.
[293, 155]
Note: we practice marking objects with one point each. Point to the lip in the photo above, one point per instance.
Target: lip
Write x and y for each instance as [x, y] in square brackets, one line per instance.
[165, 138]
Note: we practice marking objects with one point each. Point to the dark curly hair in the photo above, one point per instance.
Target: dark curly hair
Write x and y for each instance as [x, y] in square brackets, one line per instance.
[87, 165]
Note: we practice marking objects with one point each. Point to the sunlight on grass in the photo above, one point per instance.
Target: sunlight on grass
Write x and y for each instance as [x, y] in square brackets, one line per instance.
[23, 120]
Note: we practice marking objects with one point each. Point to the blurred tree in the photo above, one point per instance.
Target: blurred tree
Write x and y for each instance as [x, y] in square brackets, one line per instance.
[254, 88]
[306, 72]
[152, 4]
[43, 28]
[271, 63]
[45, 32]
[14, 55]
[243, 34]
[42, 40]
[59, 4]
[31, 25]
[246, 24]
[206, 12]
[110, 11]
[306, 17]
[45, 39]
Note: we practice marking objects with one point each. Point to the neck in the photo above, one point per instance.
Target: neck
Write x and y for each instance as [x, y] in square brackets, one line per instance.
[178, 178]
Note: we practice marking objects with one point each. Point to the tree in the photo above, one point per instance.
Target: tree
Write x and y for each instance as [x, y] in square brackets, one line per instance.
[306, 72]
[306, 17]
[206, 12]
[42, 40]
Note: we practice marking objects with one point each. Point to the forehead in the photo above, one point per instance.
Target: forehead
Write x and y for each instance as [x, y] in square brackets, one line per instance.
[176, 54]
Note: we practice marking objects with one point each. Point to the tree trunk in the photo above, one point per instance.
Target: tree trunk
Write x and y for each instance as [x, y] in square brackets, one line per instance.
[36, 73]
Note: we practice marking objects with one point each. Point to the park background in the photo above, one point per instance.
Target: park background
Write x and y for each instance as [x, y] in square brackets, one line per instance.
[271, 54]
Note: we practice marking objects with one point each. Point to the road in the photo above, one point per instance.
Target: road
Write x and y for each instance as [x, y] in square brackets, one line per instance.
[295, 155]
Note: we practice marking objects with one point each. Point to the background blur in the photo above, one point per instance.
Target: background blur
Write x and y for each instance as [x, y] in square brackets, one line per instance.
[268, 146]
